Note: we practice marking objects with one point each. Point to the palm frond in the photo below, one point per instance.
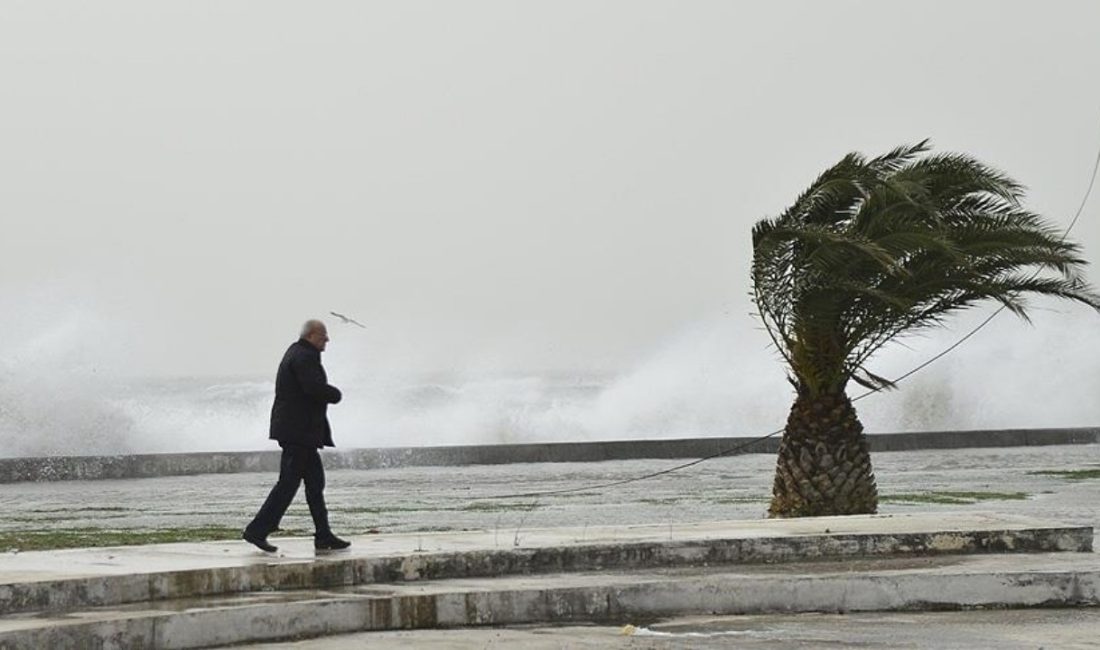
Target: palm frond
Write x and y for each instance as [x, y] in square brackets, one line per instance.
[878, 247]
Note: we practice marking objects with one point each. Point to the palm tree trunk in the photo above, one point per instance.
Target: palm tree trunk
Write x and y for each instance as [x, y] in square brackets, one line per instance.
[824, 464]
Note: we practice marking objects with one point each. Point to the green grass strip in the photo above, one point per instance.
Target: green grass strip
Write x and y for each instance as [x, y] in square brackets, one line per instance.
[1071, 474]
[952, 497]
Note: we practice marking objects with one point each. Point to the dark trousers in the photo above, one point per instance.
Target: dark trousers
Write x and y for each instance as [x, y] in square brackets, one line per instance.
[298, 464]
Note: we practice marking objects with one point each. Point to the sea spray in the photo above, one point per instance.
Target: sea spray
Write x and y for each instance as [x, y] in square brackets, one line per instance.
[715, 378]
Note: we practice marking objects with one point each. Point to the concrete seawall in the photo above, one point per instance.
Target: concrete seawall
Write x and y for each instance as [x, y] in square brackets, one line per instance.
[62, 468]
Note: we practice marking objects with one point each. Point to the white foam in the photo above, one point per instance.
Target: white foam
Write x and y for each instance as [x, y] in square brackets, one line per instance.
[715, 378]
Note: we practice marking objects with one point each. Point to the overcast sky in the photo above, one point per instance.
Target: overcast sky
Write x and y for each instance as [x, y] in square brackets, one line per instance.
[534, 185]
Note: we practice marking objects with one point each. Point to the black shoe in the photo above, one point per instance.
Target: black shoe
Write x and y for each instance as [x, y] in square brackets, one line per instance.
[330, 543]
[259, 542]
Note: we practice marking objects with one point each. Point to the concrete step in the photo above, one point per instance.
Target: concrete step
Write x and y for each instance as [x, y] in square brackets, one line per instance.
[82, 578]
[893, 584]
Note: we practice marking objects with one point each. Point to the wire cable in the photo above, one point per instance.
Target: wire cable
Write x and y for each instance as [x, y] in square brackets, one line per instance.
[726, 452]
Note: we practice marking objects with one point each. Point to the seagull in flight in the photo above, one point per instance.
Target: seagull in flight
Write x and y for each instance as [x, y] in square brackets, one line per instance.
[350, 321]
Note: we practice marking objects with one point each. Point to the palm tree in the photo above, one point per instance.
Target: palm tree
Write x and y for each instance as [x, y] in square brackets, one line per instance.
[874, 249]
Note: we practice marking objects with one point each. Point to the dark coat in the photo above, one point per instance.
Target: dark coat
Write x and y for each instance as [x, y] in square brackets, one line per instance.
[302, 396]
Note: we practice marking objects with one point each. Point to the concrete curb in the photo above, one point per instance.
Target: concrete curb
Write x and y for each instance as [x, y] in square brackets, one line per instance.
[617, 598]
[63, 468]
[114, 589]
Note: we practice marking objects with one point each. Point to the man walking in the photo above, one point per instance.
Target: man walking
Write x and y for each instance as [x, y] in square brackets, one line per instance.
[300, 424]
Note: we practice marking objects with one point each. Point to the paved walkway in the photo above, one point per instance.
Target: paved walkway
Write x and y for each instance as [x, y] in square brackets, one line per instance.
[159, 558]
[1009, 480]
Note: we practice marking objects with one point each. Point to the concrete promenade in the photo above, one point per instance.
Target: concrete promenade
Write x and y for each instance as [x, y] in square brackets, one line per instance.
[61, 468]
[211, 594]
[1043, 481]
[446, 529]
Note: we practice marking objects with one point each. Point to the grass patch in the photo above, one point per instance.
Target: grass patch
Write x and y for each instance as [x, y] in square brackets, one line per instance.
[475, 506]
[77, 511]
[732, 501]
[1071, 474]
[952, 498]
[494, 506]
[43, 519]
[45, 540]
[379, 510]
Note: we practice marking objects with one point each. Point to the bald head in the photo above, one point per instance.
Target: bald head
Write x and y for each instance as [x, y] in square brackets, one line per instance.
[316, 333]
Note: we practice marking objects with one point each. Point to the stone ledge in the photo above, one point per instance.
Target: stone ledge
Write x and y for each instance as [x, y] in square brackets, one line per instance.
[882, 585]
[61, 580]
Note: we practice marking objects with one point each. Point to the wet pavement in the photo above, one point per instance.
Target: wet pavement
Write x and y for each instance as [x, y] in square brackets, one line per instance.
[1006, 480]
[624, 547]
[1017, 480]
